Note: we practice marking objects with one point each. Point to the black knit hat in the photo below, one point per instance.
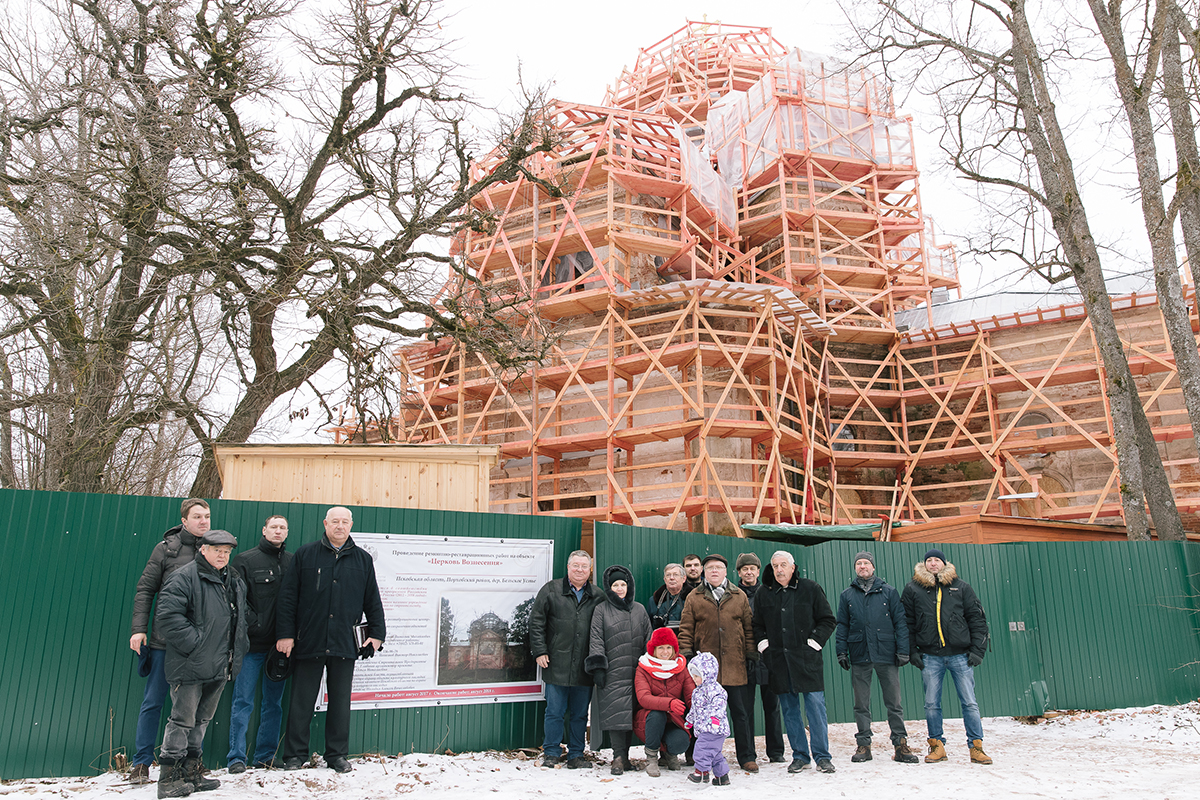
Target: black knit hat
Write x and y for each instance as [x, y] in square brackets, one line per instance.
[935, 553]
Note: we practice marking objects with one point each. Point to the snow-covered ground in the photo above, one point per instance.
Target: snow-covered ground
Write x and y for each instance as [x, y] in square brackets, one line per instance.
[1137, 753]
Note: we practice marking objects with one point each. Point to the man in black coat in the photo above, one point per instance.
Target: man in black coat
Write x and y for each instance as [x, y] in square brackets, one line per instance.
[872, 636]
[749, 569]
[202, 618]
[177, 549]
[792, 622]
[949, 632]
[262, 571]
[560, 629]
[330, 586]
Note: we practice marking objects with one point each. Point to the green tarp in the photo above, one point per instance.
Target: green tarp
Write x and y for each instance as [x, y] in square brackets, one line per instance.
[811, 534]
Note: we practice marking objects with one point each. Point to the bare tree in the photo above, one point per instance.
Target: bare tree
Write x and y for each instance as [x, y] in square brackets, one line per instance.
[1136, 92]
[227, 197]
[990, 75]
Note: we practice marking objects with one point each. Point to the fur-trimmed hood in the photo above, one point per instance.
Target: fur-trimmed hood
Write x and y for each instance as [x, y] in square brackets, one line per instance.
[619, 573]
[927, 579]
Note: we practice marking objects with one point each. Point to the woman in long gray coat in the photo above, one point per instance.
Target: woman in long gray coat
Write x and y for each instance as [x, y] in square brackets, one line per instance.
[620, 630]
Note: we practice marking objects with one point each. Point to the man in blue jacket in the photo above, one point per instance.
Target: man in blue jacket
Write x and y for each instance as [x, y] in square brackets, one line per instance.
[872, 636]
[329, 587]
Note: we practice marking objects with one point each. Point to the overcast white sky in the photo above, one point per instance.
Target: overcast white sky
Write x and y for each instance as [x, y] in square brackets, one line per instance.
[582, 48]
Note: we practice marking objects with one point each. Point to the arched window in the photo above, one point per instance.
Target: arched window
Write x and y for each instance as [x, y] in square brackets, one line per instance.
[844, 441]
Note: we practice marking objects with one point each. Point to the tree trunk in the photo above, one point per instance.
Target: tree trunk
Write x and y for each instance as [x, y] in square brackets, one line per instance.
[1135, 100]
[1138, 467]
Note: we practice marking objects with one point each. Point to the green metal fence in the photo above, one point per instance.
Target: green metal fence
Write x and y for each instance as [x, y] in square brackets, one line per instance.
[1074, 625]
[69, 689]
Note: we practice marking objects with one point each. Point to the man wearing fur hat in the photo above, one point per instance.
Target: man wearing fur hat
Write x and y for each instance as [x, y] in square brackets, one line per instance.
[948, 632]
[716, 619]
[872, 636]
[748, 568]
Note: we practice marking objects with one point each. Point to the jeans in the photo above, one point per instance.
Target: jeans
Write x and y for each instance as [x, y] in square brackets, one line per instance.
[964, 684]
[562, 701]
[151, 713]
[244, 687]
[662, 733]
[192, 708]
[889, 683]
[306, 682]
[818, 724]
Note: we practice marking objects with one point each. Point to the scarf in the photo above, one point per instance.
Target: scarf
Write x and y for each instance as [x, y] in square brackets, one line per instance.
[660, 668]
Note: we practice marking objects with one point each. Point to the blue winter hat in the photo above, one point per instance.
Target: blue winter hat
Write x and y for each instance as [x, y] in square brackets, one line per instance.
[935, 553]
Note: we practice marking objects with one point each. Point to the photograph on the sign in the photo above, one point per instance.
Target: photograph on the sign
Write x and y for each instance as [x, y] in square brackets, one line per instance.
[483, 637]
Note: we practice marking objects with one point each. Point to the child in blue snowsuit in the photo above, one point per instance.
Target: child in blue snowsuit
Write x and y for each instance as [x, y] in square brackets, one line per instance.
[707, 719]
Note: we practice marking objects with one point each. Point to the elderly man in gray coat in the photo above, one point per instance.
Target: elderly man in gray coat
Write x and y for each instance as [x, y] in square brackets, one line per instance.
[202, 618]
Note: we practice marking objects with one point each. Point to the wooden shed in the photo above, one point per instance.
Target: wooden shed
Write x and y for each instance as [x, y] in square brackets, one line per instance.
[991, 529]
[444, 477]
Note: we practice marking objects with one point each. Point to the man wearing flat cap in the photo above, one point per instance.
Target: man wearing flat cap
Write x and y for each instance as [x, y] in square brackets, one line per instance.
[202, 618]
[716, 619]
[949, 633]
[872, 636]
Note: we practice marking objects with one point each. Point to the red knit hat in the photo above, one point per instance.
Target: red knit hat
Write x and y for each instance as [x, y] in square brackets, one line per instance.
[659, 638]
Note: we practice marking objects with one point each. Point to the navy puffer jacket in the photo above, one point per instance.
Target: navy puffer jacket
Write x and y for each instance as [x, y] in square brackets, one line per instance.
[871, 625]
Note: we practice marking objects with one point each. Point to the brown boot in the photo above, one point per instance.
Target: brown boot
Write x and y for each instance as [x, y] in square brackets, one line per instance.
[863, 753]
[903, 754]
[977, 754]
[937, 752]
[140, 774]
[652, 762]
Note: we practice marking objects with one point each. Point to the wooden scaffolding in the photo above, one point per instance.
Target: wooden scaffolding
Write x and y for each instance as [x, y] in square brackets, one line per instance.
[735, 267]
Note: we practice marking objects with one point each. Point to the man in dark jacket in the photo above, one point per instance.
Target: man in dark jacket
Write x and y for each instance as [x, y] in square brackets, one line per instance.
[325, 593]
[262, 571]
[749, 567]
[202, 618]
[560, 628]
[666, 604]
[792, 622]
[872, 636]
[948, 631]
[177, 549]
[716, 619]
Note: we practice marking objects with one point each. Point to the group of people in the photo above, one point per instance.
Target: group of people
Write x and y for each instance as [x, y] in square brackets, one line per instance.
[268, 615]
[681, 672]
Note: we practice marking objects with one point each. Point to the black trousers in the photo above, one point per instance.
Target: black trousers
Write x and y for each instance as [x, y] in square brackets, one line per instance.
[741, 720]
[306, 682]
[771, 721]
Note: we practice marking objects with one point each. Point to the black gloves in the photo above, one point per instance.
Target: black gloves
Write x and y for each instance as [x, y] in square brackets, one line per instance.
[367, 651]
[974, 659]
[915, 659]
[600, 677]
[901, 659]
[752, 671]
[844, 660]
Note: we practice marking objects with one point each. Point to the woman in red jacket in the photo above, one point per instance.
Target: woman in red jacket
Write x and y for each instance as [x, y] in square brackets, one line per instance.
[664, 694]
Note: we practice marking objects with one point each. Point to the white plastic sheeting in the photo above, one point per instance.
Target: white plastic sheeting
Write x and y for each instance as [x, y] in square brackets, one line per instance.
[713, 192]
[749, 130]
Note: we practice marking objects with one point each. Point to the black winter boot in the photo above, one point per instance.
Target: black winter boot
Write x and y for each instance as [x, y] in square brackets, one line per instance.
[193, 772]
[171, 782]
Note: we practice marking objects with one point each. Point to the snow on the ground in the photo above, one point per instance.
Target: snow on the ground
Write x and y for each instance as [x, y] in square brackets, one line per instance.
[1144, 753]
